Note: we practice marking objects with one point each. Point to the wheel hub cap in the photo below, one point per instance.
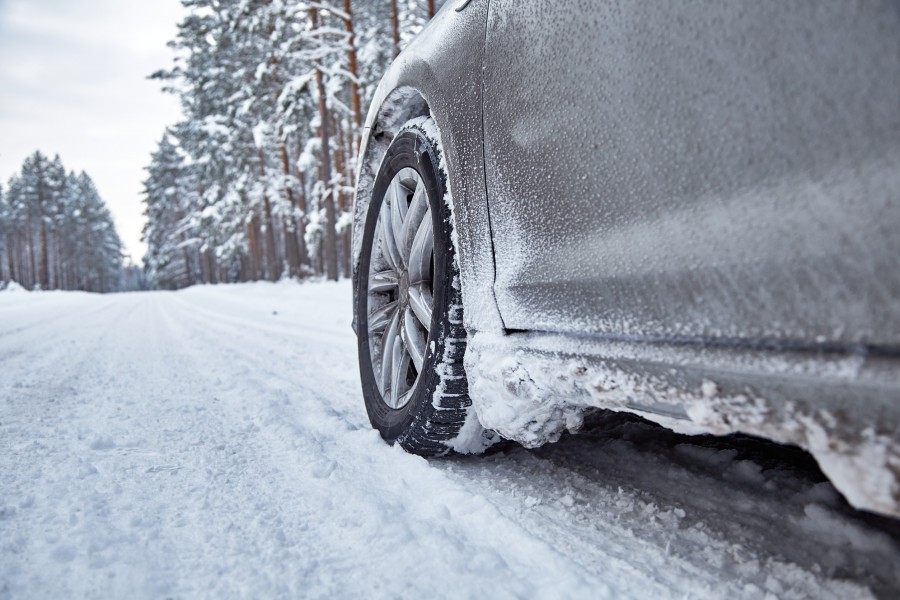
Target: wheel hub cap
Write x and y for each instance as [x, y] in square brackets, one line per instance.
[404, 289]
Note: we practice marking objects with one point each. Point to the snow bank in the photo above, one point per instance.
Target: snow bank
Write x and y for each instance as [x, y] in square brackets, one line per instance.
[12, 286]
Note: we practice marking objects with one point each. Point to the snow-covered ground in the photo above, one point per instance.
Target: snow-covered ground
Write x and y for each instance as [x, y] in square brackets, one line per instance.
[213, 443]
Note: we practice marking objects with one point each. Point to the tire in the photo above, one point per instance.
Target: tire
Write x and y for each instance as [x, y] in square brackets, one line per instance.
[411, 367]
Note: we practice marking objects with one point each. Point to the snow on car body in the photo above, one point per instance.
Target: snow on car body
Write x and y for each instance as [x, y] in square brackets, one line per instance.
[687, 212]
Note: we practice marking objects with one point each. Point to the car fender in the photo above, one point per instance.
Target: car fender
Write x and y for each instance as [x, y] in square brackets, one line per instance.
[439, 74]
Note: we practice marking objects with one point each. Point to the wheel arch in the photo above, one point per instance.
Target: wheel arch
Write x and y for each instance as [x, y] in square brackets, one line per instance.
[385, 119]
[440, 75]
[387, 116]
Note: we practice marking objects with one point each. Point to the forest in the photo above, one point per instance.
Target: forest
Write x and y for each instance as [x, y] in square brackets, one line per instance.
[256, 181]
[56, 232]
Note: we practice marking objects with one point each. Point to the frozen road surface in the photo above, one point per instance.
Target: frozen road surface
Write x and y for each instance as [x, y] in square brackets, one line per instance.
[212, 443]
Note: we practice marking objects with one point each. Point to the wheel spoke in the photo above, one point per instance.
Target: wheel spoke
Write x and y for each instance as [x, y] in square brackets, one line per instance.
[420, 253]
[388, 344]
[387, 238]
[413, 339]
[384, 281]
[418, 208]
[380, 317]
[391, 254]
[399, 208]
[399, 369]
[422, 304]
[403, 399]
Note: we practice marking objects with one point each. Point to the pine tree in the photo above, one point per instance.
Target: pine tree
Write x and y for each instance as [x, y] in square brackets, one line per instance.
[272, 93]
[170, 261]
[56, 232]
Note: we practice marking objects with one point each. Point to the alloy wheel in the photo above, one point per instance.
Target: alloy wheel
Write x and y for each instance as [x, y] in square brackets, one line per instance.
[400, 288]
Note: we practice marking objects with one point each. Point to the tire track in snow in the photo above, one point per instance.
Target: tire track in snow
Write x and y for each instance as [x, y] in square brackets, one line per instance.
[346, 469]
[595, 551]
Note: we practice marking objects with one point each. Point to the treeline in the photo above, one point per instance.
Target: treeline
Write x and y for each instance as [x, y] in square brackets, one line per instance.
[257, 181]
[56, 232]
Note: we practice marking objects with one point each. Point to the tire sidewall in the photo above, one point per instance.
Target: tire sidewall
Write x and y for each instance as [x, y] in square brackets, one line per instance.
[410, 148]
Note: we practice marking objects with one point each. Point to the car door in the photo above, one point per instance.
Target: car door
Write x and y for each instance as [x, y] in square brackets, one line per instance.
[696, 171]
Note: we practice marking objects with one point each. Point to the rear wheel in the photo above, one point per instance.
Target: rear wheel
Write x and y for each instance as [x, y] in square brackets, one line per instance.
[410, 316]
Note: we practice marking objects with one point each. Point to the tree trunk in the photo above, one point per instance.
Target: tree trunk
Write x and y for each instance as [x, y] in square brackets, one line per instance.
[204, 269]
[256, 259]
[273, 266]
[395, 26]
[58, 263]
[72, 270]
[330, 221]
[340, 167]
[294, 247]
[211, 266]
[10, 252]
[301, 222]
[16, 264]
[23, 267]
[45, 255]
[430, 9]
[188, 271]
[32, 271]
[355, 104]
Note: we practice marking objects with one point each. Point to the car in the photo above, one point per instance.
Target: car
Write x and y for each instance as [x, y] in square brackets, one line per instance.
[688, 211]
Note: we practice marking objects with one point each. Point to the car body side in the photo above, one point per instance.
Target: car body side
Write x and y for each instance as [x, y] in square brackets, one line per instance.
[640, 320]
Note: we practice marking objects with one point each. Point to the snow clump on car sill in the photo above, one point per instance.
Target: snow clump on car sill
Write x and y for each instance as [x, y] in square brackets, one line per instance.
[533, 397]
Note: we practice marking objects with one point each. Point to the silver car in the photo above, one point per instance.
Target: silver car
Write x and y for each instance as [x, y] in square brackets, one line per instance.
[689, 211]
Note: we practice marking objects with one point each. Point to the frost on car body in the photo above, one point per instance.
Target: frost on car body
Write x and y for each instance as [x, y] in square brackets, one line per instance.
[687, 213]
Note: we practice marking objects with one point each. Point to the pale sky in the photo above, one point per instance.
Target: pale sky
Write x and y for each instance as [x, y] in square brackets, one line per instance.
[73, 82]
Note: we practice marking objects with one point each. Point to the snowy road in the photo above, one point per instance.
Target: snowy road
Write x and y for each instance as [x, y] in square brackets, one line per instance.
[212, 443]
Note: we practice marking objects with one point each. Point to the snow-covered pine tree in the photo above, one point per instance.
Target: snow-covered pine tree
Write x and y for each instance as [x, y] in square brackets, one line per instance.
[56, 232]
[99, 245]
[171, 262]
[13, 229]
[55, 220]
[273, 94]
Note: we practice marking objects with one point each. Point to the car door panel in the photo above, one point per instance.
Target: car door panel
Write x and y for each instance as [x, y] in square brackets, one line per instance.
[694, 171]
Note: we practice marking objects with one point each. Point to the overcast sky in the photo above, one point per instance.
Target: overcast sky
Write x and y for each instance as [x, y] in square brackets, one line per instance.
[73, 82]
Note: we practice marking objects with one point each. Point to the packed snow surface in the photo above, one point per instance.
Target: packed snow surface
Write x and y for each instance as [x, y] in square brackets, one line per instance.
[213, 443]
